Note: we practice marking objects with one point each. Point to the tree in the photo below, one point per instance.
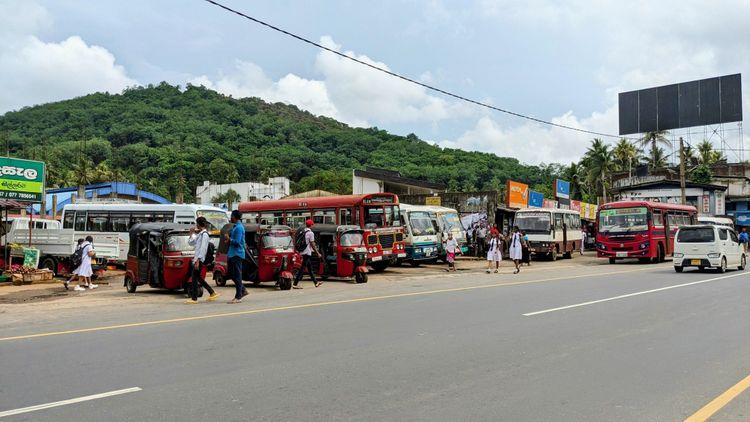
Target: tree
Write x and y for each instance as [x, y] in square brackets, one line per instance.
[654, 140]
[624, 154]
[701, 174]
[222, 172]
[230, 197]
[599, 163]
[656, 158]
[82, 173]
[707, 155]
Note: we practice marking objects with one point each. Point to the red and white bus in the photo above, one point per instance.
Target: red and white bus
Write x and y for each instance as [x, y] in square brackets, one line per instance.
[377, 214]
[640, 229]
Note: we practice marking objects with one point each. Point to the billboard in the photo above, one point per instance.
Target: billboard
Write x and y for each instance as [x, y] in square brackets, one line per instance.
[536, 199]
[517, 194]
[433, 200]
[695, 103]
[588, 211]
[562, 189]
[21, 180]
[575, 206]
[549, 203]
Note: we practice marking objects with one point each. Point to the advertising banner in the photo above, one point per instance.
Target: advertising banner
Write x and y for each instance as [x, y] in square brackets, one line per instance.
[575, 206]
[432, 200]
[517, 194]
[21, 180]
[562, 189]
[536, 199]
[706, 203]
[719, 209]
[549, 203]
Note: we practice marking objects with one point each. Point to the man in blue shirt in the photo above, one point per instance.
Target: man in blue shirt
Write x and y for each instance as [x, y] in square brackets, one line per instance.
[236, 255]
[744, 239]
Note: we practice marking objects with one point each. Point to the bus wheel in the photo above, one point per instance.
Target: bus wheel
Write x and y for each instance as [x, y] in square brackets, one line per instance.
[568, 255]
[414, 263]
[360, 278]
[219, 279]
[379, 267]
[612, 260]
[49, 263]
[660, 255]
[129, 284]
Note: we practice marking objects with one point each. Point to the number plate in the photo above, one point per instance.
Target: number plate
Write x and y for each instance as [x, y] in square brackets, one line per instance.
[695, 262]
[621, 254]
[376, 258]
[386, 252]
[427, 250]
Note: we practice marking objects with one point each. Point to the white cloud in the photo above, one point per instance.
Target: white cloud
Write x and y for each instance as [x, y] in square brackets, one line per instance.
[33, 71]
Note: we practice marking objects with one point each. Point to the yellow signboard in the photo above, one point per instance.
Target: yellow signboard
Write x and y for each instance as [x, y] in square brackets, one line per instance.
[433, 200]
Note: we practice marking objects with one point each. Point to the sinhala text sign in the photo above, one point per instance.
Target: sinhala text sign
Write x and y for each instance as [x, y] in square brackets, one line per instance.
[21, 180]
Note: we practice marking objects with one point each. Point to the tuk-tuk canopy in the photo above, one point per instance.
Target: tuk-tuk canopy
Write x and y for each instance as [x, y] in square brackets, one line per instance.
[334, 228]
[154, 229]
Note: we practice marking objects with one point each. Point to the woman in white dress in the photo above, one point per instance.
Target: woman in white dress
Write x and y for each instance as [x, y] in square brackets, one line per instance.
[515, 251]
[494, 252]
[85, 271]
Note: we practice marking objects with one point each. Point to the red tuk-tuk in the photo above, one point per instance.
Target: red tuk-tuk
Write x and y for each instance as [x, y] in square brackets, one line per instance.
[269, 255]
[344, 252]
[159, 256]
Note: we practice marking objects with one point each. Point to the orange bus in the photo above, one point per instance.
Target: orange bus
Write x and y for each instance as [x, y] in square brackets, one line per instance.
[377, 213]
[640, 229]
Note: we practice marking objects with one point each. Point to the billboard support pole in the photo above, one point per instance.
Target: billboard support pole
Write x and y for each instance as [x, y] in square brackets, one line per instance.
[682, 172]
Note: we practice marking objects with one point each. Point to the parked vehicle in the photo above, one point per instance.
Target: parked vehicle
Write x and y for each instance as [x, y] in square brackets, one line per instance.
[717, 221]
[344, 252]
[640, 229]
[447, 220]
[100, 219]
[552, 232]
[269, 255]
[421, 236]
[708, 246]
[377, 214]
[160, 256]
[56, 244]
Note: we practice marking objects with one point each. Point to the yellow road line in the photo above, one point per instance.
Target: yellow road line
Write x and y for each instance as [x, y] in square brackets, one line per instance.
[718, 403]
[311, 305]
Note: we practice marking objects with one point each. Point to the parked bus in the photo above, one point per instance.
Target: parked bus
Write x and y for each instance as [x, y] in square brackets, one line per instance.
[420, 233]
[447, 220]
[640, 229]
[378, 214]
[552, 232]
[97, 219]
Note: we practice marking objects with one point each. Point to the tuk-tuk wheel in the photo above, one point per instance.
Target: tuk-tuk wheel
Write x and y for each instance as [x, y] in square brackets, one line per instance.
[129, 285]
[285, 283]
[360, 278]
[219, 279]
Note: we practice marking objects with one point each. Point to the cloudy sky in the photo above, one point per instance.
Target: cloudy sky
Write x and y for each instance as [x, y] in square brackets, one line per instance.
[560, 61]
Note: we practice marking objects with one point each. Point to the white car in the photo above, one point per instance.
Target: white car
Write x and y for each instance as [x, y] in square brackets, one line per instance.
[708, 246]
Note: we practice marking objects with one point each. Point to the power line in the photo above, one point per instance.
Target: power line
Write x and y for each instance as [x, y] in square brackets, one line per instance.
[407, 79]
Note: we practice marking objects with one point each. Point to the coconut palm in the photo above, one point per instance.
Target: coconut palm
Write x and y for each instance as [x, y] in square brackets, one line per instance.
[624, 154]
[576, 174]
[82, 173]
[708, 155]
[653, 140]
[599, 163]
[656, 158]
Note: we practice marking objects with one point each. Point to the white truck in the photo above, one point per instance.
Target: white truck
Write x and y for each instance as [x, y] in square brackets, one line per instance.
[55, 244]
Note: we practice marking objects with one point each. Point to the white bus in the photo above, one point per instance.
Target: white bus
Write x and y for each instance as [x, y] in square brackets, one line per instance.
[421, 236]
[551, 231]
[447, 220]
[107, 218]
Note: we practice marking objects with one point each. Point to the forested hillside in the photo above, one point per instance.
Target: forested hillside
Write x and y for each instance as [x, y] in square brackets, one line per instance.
[169, 140]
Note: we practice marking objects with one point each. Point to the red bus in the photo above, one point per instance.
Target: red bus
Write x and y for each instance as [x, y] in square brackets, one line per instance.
[640, 229]
[377, 213]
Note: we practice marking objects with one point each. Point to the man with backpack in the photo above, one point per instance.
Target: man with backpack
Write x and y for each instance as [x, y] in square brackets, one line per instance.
[200, 240]
[304, 243]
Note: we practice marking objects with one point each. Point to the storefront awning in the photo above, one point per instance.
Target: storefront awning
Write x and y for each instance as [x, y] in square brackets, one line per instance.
[9, 203]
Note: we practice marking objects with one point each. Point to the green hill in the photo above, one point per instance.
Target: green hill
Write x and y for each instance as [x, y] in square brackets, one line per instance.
[170, 140]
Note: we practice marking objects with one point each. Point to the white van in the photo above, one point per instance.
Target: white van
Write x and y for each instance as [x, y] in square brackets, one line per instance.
[421, 236]
[708, 246]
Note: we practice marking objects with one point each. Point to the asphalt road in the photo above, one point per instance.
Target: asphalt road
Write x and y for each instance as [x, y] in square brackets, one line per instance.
[622, 342]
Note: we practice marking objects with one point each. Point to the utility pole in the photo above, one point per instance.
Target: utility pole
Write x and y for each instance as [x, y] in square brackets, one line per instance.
[682, 171]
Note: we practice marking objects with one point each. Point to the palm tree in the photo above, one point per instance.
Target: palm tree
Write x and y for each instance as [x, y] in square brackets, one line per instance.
[690, 158]
[624, 153]
[599, 163]
[657, 158]
[82, 173]
[654, 140]
[707, 154]
[576, 174]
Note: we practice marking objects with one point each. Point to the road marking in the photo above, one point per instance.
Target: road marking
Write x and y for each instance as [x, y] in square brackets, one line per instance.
[718, 403]
[67, 402]
[644, 292]
[310, 305]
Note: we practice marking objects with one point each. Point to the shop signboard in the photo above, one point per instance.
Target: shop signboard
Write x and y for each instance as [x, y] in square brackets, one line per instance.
[706, 203]
[536, 199]
[433, 200]
[549, 203]
[575, 206]
[719, 208]
[21, 180]
[562, 189]
[517, 194]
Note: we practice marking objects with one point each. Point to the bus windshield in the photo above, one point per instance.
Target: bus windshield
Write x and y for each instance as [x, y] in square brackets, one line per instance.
[623, 220]
[382, 216]
[277, 240]
[452, 222]
[421, 223]
[534, 222]
[216, 219]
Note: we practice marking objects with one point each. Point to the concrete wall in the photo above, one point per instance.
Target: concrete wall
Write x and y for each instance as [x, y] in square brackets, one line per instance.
[364, 185]
[276, 188]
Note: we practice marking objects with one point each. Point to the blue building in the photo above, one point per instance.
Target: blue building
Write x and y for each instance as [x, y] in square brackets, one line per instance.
[107, 190]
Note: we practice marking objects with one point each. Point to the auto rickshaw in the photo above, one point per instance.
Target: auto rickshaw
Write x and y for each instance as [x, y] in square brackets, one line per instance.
[269, 255]
[160, 256]
[344, 252]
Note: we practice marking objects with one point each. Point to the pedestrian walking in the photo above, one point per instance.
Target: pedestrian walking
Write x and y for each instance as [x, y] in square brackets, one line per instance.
[451, 249]
[744, 238]
[481, 239]
[494, 252]
[236, 255]
[199, 240]
[515, 250]
[74, 273]
[583, 240]
[309, 248]
[84, 270]
[525, 251]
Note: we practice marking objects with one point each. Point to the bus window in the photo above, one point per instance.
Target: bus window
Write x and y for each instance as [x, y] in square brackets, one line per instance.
[119, 222]
[97, 222]
[80, 224]
[271, 217]
[392, 216]
[324, 217]
[374, 217]
[296, 219]
[165, 217]
[140, 217]
[345, 217]
[68, 220]
[558, 221]
[658, 218]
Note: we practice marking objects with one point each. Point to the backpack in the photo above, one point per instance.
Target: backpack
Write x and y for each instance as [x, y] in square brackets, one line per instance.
[210, 252]
[76, 258]
[300, 244]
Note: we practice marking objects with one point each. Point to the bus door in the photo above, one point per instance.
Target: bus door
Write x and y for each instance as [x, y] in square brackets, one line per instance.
[659, 222]
[560, 225]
